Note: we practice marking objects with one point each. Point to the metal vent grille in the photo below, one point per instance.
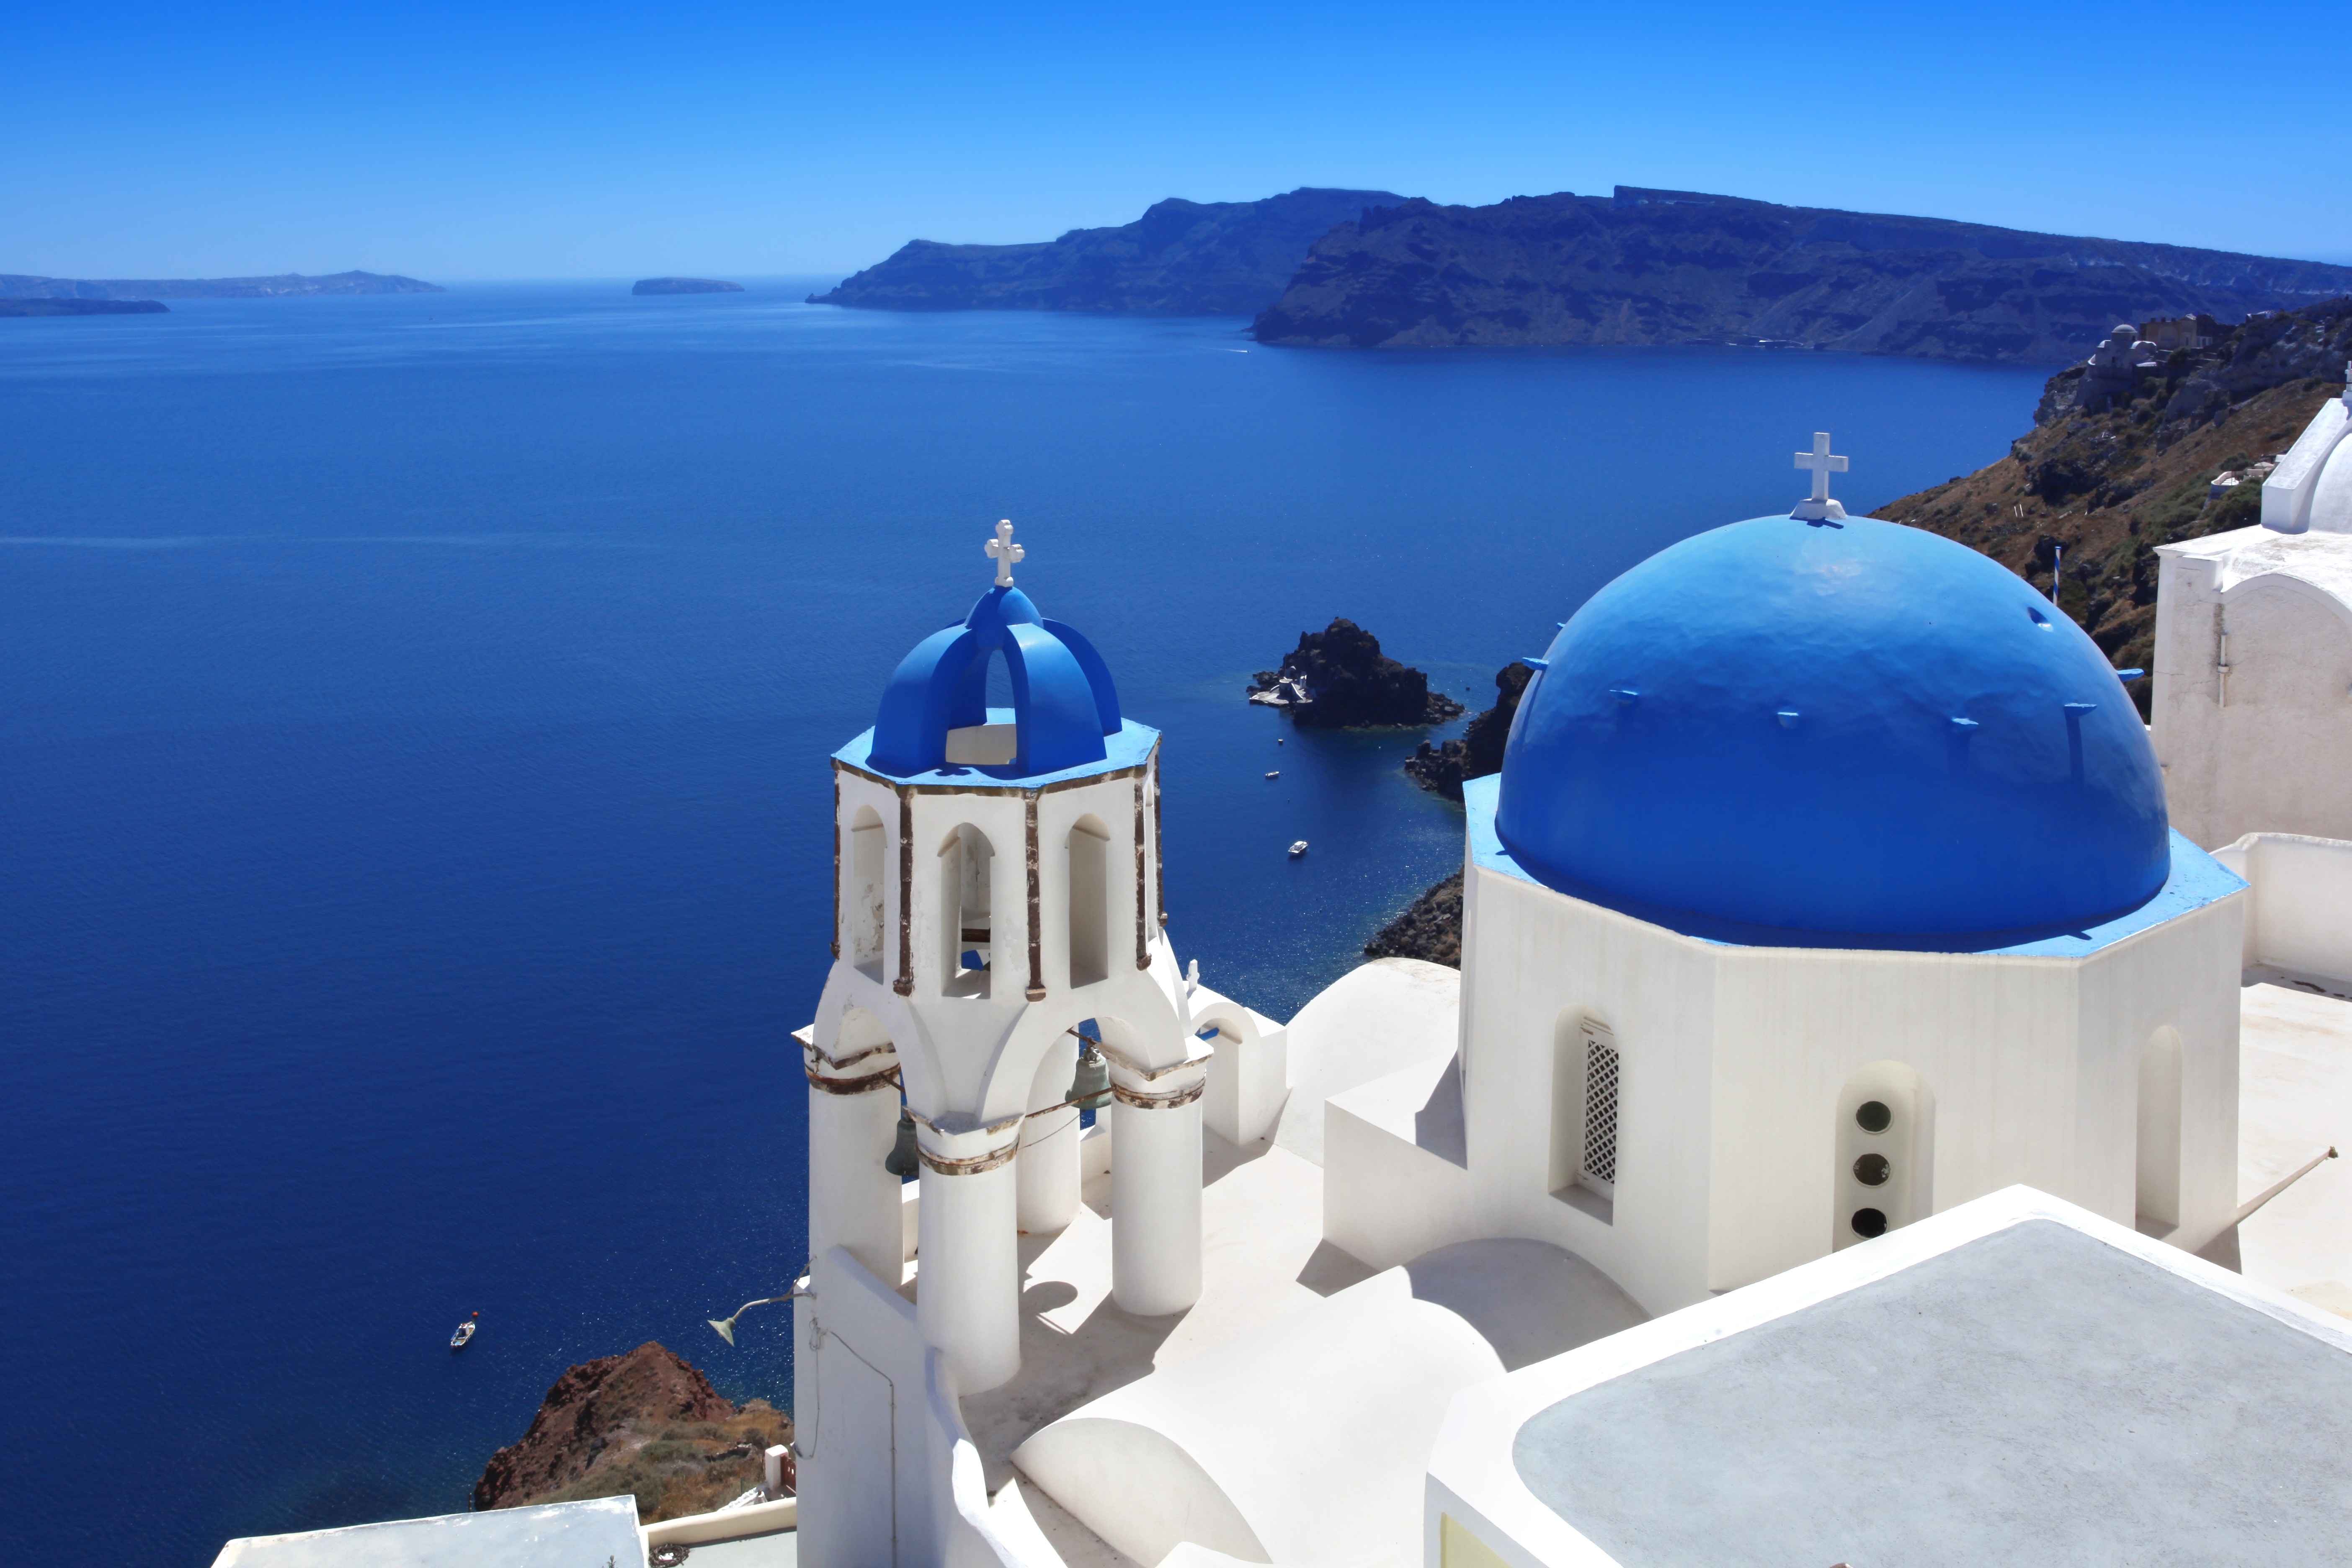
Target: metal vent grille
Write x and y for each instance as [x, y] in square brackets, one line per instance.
[1601, 1109]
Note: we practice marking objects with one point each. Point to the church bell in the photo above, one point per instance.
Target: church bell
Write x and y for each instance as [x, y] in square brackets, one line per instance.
[902, 1162]
[1090, 1087]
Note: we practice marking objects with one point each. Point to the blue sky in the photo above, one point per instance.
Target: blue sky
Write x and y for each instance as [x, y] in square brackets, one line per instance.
[514, 141]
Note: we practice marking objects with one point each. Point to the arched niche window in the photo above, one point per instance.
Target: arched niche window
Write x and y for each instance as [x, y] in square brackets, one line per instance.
[1587, 1089]
[1089, 900]
[1886, 1143]
[862, 903]
[2157, 1170]
[964, 919]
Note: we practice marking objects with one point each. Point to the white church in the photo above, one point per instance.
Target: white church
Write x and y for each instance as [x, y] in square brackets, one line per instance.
[1882, 1115]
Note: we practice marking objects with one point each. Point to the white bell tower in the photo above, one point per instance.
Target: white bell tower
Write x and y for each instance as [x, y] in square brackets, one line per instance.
[997, 884]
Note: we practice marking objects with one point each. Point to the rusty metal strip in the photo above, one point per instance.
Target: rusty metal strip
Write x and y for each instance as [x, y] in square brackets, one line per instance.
[1109, 775]
[905, 985]
[1142, 943]
[1174, 1100]
[816, 1053]
[886, 1078]
[837, 862]
[1159, 852]
[1037, 937]
[972, 1167]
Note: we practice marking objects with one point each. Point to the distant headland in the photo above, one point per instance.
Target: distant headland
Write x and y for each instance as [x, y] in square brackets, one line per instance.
[685, 285]
[1334, 268]
[23, 285]
[9, 307]
[1680, 266]
[1179, 258]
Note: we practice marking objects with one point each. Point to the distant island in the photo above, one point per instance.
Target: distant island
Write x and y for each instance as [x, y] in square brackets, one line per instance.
[1681, 267]
[22, 286]
[38, 307]
[685, 285]
[1180, 257]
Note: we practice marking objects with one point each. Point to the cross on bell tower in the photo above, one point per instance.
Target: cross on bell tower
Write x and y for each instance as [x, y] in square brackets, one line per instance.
[1005, 553]
[1819, 507]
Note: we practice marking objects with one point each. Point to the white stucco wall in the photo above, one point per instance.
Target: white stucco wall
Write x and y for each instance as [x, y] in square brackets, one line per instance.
[1370, 1022]
[2267, 750]
[1734, 1059]
[2299, 908]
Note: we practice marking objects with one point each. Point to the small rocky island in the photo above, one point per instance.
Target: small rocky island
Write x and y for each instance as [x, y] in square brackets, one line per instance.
[1431, 926]
[645, 1424]
[685, 285]
[80, 307]
[1479, 752]
[1338, 679]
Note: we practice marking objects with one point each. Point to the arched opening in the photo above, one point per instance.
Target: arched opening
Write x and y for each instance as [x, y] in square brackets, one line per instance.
[993, 741]
[964, 911]
[1885, 1125]
[1089, 900]
[863, 905]
[1587, 1092]
[2156, 1183]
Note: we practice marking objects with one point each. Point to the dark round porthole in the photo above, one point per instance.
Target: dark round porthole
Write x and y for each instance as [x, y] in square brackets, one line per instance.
[1869, 1222]
[1872, 1170]
[1872, 1116]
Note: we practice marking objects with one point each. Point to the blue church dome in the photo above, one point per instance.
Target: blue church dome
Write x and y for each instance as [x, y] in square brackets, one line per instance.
[1834, 726]
[935, 711]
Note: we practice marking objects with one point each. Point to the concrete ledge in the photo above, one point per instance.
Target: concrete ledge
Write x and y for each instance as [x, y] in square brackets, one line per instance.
[725, 1524]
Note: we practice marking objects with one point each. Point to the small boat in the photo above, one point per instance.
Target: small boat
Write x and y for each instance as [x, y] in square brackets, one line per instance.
[465, 1331]
[1276, 774]
[1297, 849]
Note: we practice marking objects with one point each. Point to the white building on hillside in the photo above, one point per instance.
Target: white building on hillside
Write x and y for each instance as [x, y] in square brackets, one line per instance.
[2253, 655]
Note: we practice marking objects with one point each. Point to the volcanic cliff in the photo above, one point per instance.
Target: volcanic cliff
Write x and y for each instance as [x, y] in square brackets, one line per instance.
[1338, 678]
[2178, 452]
[1180, 257]
[1679, 266]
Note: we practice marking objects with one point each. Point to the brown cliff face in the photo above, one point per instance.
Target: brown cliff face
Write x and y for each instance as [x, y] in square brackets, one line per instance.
[2092, 494]
[646, 1423]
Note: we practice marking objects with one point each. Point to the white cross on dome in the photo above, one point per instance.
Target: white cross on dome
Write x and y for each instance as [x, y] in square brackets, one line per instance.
[1005, 553]
[1819, 507]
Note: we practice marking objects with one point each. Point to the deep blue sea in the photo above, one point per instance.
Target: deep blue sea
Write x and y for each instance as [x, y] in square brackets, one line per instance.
[413, 846]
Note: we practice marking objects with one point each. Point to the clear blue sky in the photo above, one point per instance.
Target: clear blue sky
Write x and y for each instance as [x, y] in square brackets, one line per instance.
[601, 140]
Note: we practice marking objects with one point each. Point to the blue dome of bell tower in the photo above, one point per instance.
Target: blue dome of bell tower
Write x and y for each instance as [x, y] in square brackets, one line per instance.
[935, 715]
[1834, 724]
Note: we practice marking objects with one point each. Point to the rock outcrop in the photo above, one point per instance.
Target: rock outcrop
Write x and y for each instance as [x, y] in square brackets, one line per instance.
[80, 307]
[1479, 752]
[685, 285]
[1180, 257]
[2117, 464]
[646, 1423]
[26, 287]
[1430, 928]
[1677, 266]
[1338, 678]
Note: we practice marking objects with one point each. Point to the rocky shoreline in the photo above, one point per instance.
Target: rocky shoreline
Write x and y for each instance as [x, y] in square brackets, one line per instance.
[1338, 678]
[1443, 768]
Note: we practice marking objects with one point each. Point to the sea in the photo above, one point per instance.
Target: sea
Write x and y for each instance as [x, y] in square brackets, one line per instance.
[414, 799]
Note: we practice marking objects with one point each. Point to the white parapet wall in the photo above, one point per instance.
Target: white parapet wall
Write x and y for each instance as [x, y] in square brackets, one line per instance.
[2299, 915]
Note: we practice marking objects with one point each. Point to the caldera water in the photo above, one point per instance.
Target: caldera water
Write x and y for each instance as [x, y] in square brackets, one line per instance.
[413, 803]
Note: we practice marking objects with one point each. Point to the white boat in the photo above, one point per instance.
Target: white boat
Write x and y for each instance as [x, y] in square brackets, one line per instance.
[465, 1331]
[1276, 774]
[1297, 849]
